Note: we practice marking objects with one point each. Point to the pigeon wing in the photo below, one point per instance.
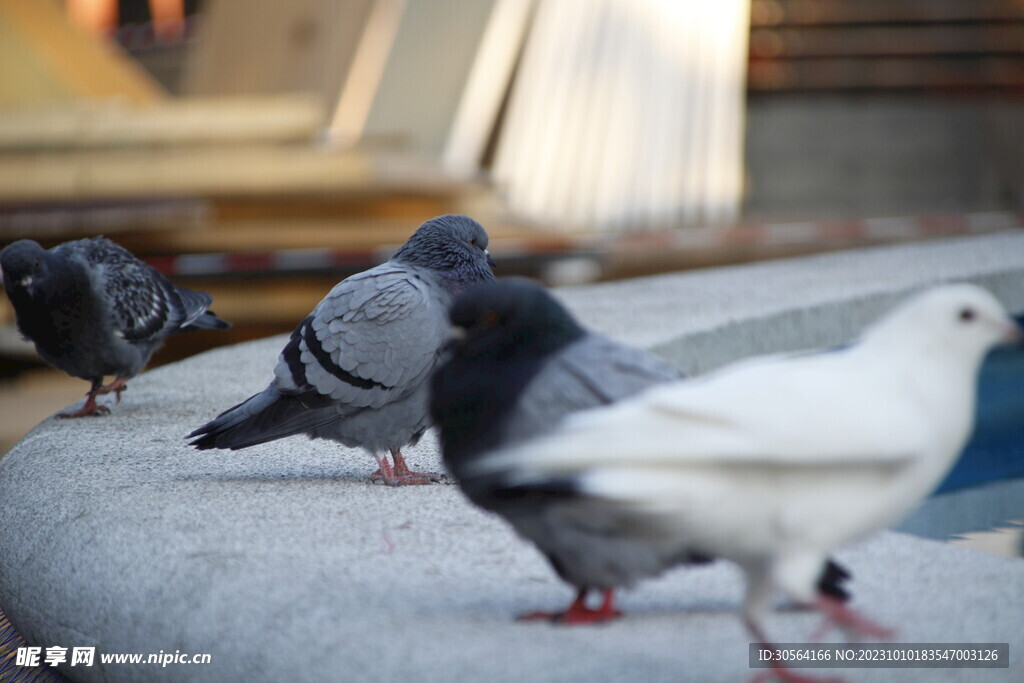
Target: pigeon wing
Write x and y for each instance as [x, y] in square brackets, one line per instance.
[591, 372]
[610, 371]
[372, 340]
[144, 305]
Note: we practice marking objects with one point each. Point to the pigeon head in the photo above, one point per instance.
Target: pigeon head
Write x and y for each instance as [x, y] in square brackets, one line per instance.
[26, 266]
[511, 318]
[961, 320]
[507, 332]
[452, 245]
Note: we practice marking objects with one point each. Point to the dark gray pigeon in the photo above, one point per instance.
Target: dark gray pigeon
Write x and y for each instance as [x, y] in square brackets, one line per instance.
[93, 310]
[355, 371]
[521, 365]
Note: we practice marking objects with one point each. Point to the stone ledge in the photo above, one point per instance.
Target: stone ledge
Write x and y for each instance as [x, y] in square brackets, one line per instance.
[283, 562]
[705, 318]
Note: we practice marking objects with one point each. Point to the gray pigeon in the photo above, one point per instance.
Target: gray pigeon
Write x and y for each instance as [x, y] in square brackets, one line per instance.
[356, 369]
[92, 310]
[522, 365]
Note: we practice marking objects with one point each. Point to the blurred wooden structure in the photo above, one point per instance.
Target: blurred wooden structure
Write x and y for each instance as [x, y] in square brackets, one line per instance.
[46, 59]
[884, 107]
[90, 145]
[111, 124]
[234, 199]
[238, 189]
[621, 115]
[273, 47]
[886, 45]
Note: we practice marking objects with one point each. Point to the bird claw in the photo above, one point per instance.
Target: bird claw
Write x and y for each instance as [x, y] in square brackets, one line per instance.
[95, 410]
[588, 616]
[853, 624]
[573, 617]
[401, 475]
[408, 478]
[578, 613]
[118, 386]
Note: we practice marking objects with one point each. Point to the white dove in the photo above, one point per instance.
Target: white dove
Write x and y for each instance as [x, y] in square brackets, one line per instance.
[775, 462]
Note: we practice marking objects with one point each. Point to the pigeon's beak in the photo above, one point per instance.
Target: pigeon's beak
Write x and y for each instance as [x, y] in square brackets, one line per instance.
[490, 259]
[25, 282]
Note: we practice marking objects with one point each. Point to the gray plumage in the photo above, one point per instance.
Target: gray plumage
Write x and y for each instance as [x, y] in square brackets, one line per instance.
[580, 540]
[522, 365]
[591, 371]
[94, 310]
[356, 369]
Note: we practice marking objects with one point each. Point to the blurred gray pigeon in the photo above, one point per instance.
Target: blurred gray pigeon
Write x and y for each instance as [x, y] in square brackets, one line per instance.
[93, 310]
[777, 461]
[355, 371]
[521, 365]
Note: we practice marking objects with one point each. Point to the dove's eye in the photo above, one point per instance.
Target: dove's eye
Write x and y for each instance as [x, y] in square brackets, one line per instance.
[473, 241]
[967, 314]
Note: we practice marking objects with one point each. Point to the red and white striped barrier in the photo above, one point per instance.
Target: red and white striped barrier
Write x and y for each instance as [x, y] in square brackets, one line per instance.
[810, 233]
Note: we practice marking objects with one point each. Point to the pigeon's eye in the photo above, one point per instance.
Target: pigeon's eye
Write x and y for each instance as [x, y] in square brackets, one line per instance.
[967, 314]
[473, 241]
[490, 318]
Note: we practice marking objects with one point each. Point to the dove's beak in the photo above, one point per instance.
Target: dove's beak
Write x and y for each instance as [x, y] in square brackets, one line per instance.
[490, 259]
[25, 282]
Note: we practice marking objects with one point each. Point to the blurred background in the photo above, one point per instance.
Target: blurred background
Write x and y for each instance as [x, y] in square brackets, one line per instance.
[262, 150]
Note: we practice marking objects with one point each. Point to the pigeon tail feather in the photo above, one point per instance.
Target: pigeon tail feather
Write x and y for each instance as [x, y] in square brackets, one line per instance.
[264, 417]
[207, 321]
[194, 308]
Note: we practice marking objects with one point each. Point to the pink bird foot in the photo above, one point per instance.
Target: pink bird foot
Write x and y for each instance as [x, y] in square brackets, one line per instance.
[578, 613]
[854, 625]
[90, 409]
[400, 474]
[119, 385]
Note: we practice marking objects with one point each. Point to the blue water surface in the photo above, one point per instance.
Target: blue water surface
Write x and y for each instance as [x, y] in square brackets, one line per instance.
[996, 450]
